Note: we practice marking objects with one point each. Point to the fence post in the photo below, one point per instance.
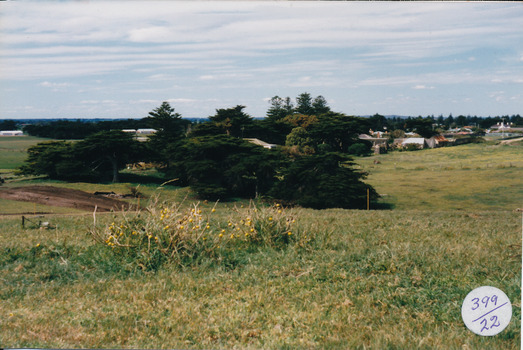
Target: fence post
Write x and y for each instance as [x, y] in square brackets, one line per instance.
[368, 199]
[23, 221]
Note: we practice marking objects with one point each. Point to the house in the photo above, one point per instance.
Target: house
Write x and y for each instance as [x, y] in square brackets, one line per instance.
[145, 131]
[11, 133]
[420, 142]
[381, 141]
[261, 143]
[437, 141]
[379, 144]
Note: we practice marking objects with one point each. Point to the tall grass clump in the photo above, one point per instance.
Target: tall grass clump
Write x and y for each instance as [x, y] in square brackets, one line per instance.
[187, 235]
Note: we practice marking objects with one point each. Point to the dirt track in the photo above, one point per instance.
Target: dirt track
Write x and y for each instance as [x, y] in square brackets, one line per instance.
[62, 197]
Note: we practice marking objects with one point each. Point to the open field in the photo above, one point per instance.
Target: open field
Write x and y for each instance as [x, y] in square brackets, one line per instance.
[368, 279]
[13, 150]
[468, 177]
[389, 279]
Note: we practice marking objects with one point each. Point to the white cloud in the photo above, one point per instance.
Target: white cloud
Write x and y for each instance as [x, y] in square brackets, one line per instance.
[423, 87]
[54, 85]
[151, 35]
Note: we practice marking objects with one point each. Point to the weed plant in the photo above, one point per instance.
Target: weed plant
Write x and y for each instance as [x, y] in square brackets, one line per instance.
[186, 235]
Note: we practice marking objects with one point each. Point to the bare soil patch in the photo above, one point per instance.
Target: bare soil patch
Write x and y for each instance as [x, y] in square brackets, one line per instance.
[63, 197]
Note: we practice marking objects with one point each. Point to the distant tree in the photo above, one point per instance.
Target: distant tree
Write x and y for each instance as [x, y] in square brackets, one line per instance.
[280, 108]
[221, 167]
[304, 104]
[337, 131]
[422, 126]
[55, 159]
[517, 120]
[107, 152]
[461, 121]
[378, 122]
[323, 181]
[362, 148]
[320, 106]
[167, 122]
[170, 130]
[397, 134]
[301, 120]
[298, 137]
[8, 124]
[233, 121]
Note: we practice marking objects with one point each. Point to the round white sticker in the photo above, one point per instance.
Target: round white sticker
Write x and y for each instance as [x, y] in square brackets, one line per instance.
[486, 311]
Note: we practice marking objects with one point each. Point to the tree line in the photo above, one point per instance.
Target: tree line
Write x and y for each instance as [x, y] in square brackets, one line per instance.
[312, 168]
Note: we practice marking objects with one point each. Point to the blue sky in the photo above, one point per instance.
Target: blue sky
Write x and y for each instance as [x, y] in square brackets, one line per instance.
[114, 59]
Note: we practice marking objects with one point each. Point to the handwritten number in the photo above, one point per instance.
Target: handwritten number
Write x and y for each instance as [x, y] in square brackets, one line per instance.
[485, 301]
[495, 319]
[476, 302]
[485, 328]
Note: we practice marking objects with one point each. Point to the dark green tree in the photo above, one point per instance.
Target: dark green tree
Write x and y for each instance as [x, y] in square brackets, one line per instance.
[422, 126]
[280, 108]
[8, 124]
[336, 132]
[170, 129]
[378, 122]
[55, 159]
[221, 167]
[320, 106]
[107, 152]
[304, 104]
[323, 181]
[233, 121]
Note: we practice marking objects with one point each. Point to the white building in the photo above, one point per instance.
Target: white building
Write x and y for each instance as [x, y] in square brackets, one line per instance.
[11, 133]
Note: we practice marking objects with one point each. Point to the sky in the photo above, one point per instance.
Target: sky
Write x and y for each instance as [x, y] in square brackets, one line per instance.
[115, 59]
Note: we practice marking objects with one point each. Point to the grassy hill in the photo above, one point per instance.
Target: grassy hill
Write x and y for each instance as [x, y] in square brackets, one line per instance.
[368, 279]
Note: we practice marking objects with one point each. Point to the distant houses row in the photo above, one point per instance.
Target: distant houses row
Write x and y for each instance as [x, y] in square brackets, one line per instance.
[381, 144]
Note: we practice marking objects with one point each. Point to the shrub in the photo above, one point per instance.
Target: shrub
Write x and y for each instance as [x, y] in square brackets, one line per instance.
[172, 233]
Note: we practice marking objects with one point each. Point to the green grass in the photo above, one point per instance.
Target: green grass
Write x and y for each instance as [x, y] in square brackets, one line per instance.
[469, 177]
[375, 279]
[13, 150]
[392, 279]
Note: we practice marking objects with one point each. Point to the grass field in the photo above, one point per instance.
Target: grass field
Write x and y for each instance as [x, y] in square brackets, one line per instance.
[391, 279]
[468, 177]
[13, 150]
